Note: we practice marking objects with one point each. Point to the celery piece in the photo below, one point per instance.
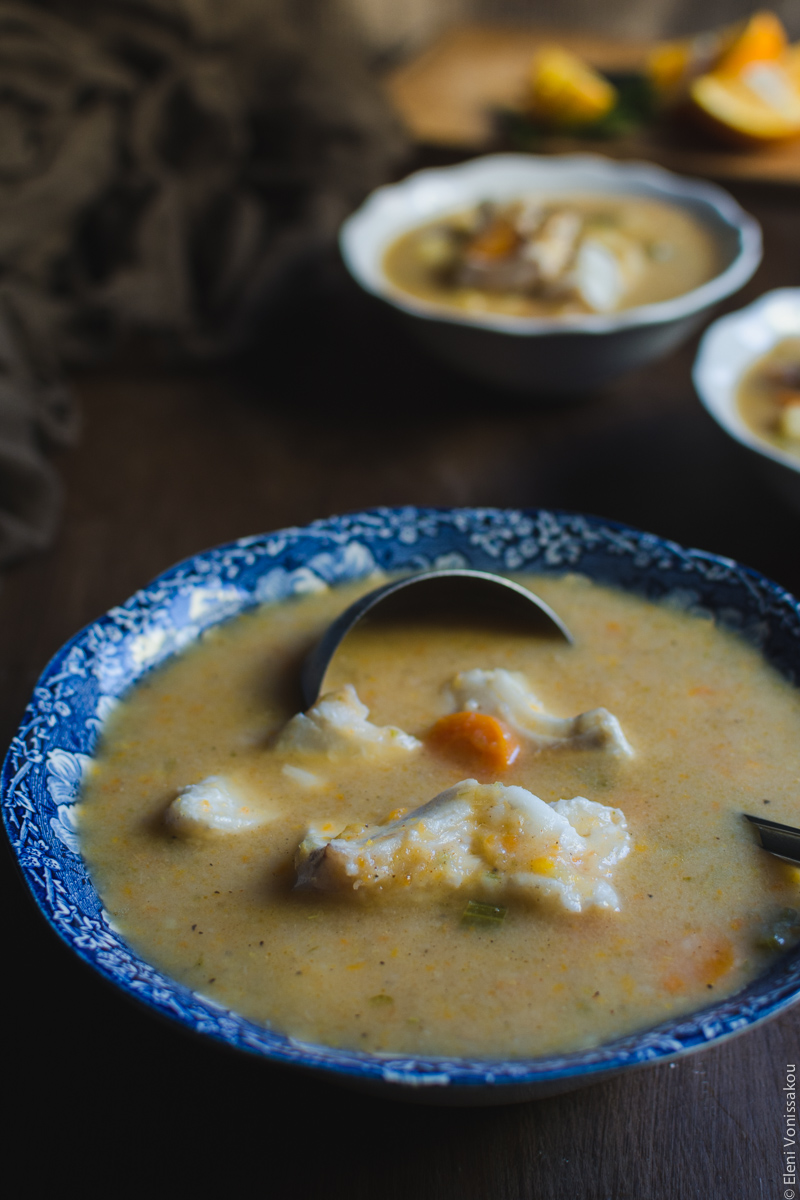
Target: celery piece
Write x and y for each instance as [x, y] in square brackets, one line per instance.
[483, 914]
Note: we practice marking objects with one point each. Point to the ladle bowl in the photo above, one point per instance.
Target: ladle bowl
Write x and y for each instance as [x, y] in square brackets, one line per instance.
[485, 593]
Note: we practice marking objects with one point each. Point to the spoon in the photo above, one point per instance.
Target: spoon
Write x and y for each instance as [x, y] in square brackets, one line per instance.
[781, 840]
[450, 587]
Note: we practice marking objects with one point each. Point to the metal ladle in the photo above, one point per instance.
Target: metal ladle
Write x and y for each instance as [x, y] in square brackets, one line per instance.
[486, 590]
[457, 586]
[781, 840]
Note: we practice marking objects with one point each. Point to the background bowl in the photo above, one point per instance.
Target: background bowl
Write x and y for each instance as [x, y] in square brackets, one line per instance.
[728, 349]
[43, 769]
[547, 355]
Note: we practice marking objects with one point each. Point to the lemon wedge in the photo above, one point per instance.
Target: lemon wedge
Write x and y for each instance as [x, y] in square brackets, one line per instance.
[566, 91]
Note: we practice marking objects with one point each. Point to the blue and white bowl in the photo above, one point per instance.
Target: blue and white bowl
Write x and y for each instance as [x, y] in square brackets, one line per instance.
[43, 769]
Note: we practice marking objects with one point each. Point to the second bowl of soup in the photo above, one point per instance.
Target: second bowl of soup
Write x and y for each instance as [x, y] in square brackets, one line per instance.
[747, 374]
[551, 275]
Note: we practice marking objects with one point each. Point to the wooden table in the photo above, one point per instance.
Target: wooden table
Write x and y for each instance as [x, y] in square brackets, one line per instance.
[339, 410]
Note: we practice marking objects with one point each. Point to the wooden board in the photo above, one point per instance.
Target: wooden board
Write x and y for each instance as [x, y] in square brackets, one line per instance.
[446, 97]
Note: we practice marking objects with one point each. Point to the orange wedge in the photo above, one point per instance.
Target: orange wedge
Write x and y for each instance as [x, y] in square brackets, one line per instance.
[565, 91]
[763, 39]
[761, 104]
[671, 65]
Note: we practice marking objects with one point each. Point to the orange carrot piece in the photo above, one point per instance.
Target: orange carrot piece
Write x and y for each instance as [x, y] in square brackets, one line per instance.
[476, 736]
[717, 963]
[498, 240]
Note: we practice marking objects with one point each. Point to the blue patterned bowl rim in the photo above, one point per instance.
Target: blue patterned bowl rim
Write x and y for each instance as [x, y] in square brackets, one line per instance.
[45, 764]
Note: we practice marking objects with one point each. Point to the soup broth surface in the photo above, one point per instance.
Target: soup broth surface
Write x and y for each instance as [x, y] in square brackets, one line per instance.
[769, 396]
[715, 730]
[641, 252]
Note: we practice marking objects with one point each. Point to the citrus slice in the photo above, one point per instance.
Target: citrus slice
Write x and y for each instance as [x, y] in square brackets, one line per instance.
[671, 65]
[763, 39]
[564, 90]
[791, 62]
[762, 104]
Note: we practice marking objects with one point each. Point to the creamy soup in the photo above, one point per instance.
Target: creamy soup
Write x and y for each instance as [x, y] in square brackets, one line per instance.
[769, 396]
[537, 257]
[281, 875]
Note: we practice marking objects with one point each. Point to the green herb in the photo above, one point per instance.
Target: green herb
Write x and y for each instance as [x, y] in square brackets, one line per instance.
[381, 1000]
[483, 914]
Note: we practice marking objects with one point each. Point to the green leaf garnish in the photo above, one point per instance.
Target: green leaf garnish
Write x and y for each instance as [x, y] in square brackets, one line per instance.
[483, 914]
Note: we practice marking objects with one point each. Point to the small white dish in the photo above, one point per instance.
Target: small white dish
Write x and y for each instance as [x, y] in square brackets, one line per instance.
[553, 355]
[728, 349]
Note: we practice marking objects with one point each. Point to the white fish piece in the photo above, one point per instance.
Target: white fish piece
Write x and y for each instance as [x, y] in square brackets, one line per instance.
[552, 247]
[306, 779]
[528, 216]
[215, 805]
[337, 726]
[508, 696]
[607, 265]
[488, 837]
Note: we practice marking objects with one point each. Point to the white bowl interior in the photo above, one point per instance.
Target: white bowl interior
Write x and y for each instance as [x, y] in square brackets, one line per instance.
[730, 347]
[393, 210]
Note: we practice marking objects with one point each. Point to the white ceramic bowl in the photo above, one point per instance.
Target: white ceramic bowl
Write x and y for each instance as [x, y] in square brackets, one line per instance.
[729, 347]
[534, 354]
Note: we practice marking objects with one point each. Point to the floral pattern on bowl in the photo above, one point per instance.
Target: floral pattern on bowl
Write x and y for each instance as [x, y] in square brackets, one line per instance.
[48, 757]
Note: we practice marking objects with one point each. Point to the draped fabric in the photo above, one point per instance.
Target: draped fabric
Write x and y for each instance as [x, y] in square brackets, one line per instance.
[163, 164]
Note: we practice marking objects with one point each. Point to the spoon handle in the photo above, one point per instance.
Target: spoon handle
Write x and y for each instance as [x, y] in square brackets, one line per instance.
[781, 840]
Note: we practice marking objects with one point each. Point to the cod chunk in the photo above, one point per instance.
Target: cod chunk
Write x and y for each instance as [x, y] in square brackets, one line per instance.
[489, 838]
[507, 696]
[337, 726]
[214, 805]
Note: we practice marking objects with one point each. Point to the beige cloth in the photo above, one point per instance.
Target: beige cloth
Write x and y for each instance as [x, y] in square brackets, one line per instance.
[163, 163]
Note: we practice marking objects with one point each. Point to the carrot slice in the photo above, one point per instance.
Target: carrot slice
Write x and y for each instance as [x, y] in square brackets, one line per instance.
[498, 240]
[476, 736]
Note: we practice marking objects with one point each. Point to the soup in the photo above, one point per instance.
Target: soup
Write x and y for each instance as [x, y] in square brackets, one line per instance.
[288, 867]
[769, 396]
[543, 257]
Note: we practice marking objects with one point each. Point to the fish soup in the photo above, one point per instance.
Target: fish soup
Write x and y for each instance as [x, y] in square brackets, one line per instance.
[545, 257]
[769, 397]
[477, 843]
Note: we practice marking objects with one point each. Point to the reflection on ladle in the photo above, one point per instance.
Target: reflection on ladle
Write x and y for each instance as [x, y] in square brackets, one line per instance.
[482, 592]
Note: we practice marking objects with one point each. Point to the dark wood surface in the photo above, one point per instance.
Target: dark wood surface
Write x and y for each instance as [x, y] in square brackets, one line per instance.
[336, 410]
